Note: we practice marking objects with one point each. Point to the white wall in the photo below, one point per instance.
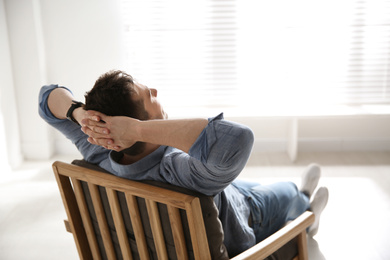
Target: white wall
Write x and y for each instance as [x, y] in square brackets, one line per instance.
[82, 40]
[27, 56]
[72, 42]
[360, 132]
[10, 151]
[61, 42]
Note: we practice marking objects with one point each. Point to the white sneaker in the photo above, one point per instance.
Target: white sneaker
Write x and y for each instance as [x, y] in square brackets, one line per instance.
[310, 179]
[317, 206]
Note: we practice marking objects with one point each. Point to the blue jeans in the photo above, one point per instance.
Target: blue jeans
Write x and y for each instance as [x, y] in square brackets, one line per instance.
[272, 205]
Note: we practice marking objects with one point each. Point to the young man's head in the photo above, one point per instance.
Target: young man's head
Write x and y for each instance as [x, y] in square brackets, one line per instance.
[115, 93]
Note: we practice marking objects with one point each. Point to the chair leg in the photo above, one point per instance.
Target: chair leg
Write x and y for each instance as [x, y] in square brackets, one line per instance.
[302, 246]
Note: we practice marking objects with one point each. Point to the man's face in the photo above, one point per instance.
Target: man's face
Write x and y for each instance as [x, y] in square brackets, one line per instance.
[150, 101]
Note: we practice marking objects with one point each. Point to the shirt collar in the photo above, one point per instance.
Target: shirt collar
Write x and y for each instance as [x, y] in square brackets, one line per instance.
[138, 167]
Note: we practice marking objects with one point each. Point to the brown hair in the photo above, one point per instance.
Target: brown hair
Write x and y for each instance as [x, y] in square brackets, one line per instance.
[112, 95]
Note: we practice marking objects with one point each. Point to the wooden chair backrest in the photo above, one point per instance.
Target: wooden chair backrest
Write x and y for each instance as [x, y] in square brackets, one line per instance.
[71, 179]
[116, 218]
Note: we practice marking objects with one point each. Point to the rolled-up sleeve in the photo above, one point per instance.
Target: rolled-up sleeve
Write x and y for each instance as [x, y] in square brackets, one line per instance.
[216, 158]
[91, 153]
[43, 109]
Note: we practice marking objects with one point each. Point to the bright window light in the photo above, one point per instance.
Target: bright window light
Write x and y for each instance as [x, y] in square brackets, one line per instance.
[259, 55]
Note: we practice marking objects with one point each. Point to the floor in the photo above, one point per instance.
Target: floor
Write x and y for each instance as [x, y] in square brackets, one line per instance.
[355, 224]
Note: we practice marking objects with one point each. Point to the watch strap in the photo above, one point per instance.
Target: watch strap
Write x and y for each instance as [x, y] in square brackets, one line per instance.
[69, 114]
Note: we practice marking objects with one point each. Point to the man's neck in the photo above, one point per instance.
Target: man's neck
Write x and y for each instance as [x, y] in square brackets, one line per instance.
[129, 159]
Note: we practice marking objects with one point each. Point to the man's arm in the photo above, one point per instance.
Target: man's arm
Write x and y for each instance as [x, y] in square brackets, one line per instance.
[118, 133]
[126, 131]
[59, 102]
[214, 160]
[54, 102]
[180, 133]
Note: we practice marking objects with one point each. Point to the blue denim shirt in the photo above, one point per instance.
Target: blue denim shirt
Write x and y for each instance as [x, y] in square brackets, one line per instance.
[213, 162]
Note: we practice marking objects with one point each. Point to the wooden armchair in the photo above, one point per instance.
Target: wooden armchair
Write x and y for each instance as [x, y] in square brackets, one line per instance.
[116, 218]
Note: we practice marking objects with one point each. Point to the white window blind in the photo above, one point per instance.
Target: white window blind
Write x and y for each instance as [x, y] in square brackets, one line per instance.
[185, 49]
[367, 80]
[259, 54]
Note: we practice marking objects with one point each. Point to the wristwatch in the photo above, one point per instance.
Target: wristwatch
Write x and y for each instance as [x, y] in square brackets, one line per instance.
[69, 114]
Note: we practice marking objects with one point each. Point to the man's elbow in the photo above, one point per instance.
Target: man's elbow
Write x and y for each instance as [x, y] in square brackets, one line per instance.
[243, 149]
[248, 137]
[244, 142]
[234, 159]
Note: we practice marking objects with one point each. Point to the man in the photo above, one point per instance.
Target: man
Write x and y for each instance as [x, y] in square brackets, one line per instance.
[198, 154]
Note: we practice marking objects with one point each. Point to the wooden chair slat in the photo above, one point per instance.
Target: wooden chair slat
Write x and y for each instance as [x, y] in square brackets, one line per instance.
[72, 211]
[137, 226]
[155, 224]
[178, 233]
[102, 221]
[197, 230]
[78, 190]
[119, 224]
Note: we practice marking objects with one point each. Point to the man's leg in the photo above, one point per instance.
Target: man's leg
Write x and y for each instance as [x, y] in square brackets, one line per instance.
[274, 205]
[277, 203]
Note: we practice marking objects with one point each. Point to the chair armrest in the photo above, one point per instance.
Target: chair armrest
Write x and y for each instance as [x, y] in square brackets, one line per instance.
[278, 239]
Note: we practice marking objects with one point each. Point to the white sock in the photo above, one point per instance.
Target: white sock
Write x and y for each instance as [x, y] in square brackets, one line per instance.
[317, 206]
[310, 179]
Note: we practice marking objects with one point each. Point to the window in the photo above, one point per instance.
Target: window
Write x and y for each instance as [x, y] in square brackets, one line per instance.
[185, 49]
[260, 54]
